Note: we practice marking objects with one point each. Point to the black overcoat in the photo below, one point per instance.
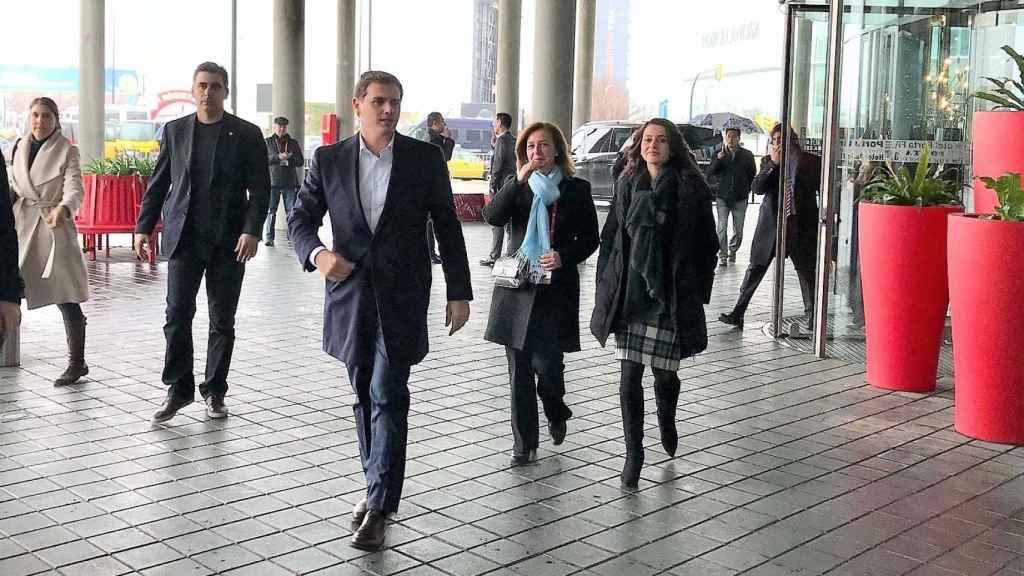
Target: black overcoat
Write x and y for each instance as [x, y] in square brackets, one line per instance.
[574, 238]
[802, 230]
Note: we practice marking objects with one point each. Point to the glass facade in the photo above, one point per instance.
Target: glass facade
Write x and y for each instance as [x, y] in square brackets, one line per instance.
[904, 75]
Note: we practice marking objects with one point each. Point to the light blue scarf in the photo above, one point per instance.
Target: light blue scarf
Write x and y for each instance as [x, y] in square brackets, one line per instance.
[538, 236]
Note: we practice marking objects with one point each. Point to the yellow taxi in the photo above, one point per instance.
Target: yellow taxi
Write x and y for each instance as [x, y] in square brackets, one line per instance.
[466, 165]
[134, 137]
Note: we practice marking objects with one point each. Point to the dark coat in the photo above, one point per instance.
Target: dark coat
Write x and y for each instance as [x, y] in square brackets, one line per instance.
[692, 262]
[735, 173]
[574, 238]
[503, 161]
[802, 230]
[392, 275]
[239, 187]
[446, 144]
[284, 175]
[11, 286]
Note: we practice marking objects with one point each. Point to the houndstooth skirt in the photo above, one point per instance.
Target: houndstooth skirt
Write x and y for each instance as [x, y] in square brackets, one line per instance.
[650, 345]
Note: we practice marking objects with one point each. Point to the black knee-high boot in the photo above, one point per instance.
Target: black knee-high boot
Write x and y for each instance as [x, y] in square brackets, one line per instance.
[666, 395]
[631, 400]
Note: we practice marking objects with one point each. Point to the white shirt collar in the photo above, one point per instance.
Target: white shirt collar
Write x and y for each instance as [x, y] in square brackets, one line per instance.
[386, 149]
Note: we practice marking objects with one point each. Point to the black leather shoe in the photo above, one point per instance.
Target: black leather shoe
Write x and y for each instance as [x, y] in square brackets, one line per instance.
[215, 407]
[358, 514]
[522, 458]
[557, 431]
[370, 535]
[487, 262]
[169, 408]
[731, 319]
[268, 243]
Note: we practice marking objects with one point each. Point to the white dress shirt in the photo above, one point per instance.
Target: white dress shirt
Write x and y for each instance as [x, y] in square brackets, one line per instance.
[374, 178]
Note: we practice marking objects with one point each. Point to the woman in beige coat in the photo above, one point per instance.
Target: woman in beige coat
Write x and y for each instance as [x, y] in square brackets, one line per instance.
[47, 192]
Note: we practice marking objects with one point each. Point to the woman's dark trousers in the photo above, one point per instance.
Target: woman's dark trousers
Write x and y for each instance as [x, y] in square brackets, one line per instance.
[536, 370]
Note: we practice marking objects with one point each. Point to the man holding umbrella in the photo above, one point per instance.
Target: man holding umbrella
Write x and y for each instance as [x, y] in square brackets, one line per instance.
[734, 167]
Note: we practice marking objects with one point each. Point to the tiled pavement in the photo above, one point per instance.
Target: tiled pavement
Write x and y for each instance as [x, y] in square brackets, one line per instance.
[787, 464]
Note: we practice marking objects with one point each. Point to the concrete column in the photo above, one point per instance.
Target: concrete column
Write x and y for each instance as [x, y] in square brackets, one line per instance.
[346, 69]
[289, 98]
[90, 87]
[553, 63]
[510, 15]
[583, 82]
[801, 76]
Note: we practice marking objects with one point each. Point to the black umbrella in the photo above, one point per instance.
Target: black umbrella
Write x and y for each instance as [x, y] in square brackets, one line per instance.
[725, 120]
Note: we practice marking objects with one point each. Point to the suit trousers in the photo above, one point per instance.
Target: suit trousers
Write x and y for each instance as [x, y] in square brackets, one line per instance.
[752, 279]
[382, 423]
[193, 260]
[497, 240]
[536, 370]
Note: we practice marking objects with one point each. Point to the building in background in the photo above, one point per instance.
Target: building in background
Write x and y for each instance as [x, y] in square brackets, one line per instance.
[485, 49]
[610, 97]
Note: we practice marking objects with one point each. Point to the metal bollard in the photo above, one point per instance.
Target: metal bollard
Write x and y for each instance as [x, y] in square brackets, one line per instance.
[10, 348]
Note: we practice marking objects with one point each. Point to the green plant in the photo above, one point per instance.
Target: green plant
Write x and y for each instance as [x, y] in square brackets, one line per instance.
[121, 165]
[1009, 93]
[900, 188]
[1011, 196]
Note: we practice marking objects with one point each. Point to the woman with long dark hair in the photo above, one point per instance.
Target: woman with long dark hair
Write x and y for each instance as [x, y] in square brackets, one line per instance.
[47, 192]
[553, 225]
[657, 262]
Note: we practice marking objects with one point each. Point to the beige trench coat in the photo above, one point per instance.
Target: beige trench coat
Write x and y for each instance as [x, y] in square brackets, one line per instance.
[51, 261]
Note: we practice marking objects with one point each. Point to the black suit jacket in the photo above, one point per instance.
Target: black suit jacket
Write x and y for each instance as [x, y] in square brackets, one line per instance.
[446, 144]
[802, 228]
[574, 237]
[503, 161]
[735, 173]
[392, 275]
[239, 187]
[284, 176]
[10, 280]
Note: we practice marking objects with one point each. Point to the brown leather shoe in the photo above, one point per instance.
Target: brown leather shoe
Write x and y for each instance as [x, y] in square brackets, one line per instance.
[358, 513]
[370, 535]
[169, 408]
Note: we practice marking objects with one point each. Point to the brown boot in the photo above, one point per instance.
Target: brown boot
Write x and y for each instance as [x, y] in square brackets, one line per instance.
[77, 368]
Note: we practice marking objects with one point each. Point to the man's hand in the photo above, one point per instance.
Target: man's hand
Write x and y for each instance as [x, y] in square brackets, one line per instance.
[551, 261]
[456, 315]
[333, 266]
[141, 246]
[246, 247]
[283, 155]
[57, 217]
[10, 315]
[721, 154]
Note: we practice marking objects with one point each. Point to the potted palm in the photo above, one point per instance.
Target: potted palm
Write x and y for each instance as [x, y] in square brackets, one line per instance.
[986, 279]
[113, 192]
[902, 231]
[997, 146]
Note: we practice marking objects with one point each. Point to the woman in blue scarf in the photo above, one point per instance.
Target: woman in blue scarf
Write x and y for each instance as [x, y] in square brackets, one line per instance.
[553, 226]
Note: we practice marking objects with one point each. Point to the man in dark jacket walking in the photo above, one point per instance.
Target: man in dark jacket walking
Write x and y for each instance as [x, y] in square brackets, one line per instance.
[437, 131]
[735, 169]
[285, 156]
[10, 280]
[503, 167]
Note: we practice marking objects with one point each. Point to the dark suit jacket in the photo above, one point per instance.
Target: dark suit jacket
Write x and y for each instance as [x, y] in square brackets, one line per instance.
[574, 238]
[11, 285]
[392, 275]
[802, 229]
[503, 161]
[280, 175]
[239, 187]
[735, 173]
[446, 144]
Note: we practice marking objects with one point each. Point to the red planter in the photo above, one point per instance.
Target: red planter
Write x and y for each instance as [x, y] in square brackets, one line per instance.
[986, 281]
[998, 148]
[903, 272]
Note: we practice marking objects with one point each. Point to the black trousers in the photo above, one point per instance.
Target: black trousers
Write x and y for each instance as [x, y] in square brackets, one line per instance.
[497, 241]
[536, 370]
[192, 261]
[382, 423]
[752, 279]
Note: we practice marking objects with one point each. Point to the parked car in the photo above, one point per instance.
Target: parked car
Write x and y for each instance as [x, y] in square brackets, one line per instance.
[596, 145]
[139, 137]
[466, 165]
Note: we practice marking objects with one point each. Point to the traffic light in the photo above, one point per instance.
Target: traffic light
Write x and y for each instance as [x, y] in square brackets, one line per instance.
[719, 72]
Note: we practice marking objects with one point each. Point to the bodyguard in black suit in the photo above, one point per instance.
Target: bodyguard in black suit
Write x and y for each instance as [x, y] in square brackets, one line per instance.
[211, 183]
[379, 187]
[10, 280]
[437, 134]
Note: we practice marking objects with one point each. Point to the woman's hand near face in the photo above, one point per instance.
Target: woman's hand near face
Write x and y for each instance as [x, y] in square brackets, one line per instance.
[526, 170]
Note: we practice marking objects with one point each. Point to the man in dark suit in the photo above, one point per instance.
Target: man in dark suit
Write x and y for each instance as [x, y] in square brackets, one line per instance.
[285, 156]
[437, 133]
[735, 168]
[11, 285]
[379, 187]
[503, 167]
[211, 184]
